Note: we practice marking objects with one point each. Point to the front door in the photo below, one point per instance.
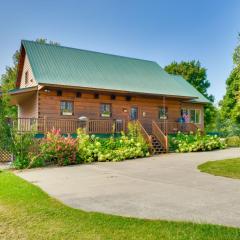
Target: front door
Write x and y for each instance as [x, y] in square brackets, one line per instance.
[134, 113]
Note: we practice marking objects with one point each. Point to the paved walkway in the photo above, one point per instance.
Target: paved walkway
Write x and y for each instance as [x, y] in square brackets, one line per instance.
[163, 187]
[4, 165]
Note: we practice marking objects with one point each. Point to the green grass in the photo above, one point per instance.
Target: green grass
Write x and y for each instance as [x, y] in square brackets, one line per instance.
[226, 168]
[26, 212]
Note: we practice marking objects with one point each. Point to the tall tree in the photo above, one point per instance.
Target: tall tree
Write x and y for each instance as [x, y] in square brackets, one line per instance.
[236, 53]
[196, 75]
[230, 105]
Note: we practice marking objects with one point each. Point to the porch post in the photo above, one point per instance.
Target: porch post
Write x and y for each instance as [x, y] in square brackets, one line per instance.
[87, 126]
[44, 124]
[164, 120]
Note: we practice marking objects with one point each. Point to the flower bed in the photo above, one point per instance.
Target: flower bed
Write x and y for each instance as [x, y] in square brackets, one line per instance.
[196, 142]
[65, 150]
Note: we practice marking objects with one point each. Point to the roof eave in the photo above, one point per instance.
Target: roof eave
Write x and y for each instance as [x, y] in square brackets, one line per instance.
[23, 90]
[116, 91]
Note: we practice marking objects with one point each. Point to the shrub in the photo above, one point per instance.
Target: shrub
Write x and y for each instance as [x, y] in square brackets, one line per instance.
[88, 146]
[196, 142]
[58, 149]
[20, 146]
[122, 148]
[36, 161]
[233, 141]
[127, 146]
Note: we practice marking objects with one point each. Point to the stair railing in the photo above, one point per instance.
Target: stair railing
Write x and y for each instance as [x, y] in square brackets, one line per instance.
[144, 133]
[161, 137]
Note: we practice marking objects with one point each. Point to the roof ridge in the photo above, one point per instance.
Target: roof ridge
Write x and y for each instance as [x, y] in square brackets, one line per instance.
[86, 50]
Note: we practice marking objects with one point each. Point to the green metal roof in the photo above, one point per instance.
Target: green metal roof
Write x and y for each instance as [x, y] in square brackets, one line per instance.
[189, 88]
[22, 90]
[66, 66]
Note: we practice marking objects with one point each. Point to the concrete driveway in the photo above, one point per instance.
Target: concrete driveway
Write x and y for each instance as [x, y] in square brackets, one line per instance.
[163, 187]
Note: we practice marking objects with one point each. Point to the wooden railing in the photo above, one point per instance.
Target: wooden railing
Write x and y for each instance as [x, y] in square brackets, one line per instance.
[105, 126]
[161, 137]
[174, 127]
[43, 125]
[144, 133]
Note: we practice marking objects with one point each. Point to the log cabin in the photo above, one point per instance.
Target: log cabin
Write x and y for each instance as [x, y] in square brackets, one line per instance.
[68, 88]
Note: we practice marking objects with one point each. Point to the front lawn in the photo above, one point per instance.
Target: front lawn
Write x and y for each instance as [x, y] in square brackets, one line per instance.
[26, 212]
[226, 168]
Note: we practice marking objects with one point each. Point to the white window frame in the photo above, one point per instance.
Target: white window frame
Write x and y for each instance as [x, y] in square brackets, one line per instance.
[195, 114]
[165, 113]
[104, 113]
[63, 112]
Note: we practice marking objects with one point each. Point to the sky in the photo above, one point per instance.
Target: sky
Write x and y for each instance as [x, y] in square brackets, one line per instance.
[162, 31]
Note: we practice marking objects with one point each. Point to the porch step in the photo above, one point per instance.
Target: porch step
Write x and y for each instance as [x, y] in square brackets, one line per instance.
[157, 147]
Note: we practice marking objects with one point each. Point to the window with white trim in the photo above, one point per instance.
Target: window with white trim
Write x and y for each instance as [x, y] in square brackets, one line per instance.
[66, 108]
[105, 110]
[195, 116]
[163, 113]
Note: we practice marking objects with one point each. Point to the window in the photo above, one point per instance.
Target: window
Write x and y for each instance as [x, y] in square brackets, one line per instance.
[163, 113]
[198, 116]
[105, 110]
[26, 77]
[66, 108]
[134, 113]
[195, 116]
[191, 115]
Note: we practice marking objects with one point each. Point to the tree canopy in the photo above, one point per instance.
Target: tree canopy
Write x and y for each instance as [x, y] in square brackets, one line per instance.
[230, 105]
[236, 53]
[196, 75]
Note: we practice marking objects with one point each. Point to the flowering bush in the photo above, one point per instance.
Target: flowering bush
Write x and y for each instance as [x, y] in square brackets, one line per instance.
[58, 149]
[91, 148]
[61, 150]
[196, 142]
[123, 148]
[87, 146]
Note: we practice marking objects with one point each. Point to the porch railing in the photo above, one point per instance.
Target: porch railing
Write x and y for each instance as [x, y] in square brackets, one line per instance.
[174, 127]
[43, 125]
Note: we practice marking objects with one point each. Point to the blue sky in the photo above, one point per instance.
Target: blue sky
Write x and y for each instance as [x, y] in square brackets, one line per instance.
[156, 30]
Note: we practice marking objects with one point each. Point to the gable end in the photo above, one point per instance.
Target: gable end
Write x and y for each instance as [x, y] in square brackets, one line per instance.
[25, 77]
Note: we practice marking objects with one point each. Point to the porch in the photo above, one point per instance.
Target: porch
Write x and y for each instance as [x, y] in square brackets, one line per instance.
[95, 126]
[155, 132]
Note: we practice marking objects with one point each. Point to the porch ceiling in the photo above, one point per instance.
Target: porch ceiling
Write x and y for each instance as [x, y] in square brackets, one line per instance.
[19, 95]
